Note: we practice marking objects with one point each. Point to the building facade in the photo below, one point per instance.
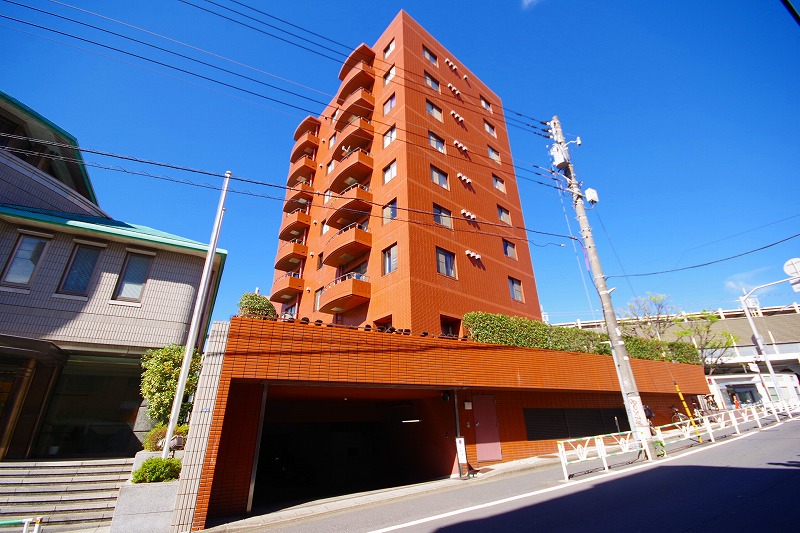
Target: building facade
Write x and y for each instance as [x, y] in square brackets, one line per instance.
[403, 209]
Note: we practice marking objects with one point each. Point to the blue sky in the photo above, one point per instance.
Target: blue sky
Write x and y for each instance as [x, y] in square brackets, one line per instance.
[688, 112]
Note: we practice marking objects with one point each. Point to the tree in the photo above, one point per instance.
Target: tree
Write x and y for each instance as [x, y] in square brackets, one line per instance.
[712, 343]
[161, 370]
[254, 305]
[649, 317]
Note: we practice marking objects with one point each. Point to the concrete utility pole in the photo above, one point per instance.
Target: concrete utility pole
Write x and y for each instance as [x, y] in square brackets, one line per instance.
[633, 403]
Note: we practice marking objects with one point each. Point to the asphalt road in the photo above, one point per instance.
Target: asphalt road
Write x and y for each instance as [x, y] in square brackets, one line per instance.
[747, 483]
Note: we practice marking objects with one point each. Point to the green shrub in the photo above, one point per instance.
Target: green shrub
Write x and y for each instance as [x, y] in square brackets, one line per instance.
[156, 469]
[161, 369]
[157, 433]
[254, 305]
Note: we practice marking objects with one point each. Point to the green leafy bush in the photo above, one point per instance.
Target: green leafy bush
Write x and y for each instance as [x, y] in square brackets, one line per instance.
[156, 469]
[161, 370]
[254, 305]
[519, 331]
[157, 433]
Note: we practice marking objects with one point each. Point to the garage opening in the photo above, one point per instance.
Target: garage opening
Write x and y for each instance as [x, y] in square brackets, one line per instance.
[322, 442]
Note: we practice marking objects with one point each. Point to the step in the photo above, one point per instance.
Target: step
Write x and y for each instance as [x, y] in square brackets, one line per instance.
[86, 520]
[44, 488]
[57, 496]
[70, 479]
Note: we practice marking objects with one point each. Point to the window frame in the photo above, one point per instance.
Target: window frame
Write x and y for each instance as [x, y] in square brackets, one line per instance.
[390, 260]
[330, 166]
[318, 298]
[389, 76]
[392, 207]
[432, 82]
[439, 173]
[515, 290]
[121, 281]
[98, 247]
[494, 155]
[430, 56]
[430, 107]
[391, 168]
[490, 129]
[446, 260]
[391, 135]
[498, 180]
[503, 214]
[433, 138]
[509, 246]
[393, 100]
[389, 49]
[444, 216]
[12, 258]
[486, 104]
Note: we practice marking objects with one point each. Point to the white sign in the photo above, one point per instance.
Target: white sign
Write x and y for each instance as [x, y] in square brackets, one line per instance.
[461, 451]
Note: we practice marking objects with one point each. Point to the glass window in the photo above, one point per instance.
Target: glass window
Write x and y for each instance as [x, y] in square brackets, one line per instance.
[445, 262]
[327, 197]
[433, 110]
[494, 154]
[436, 141]
[317, 296]
[503, 214]
[329, 169]
[515, 288]
[24, 260]
[499, 184]
[290, 312]
[389, 172]
[389, 259]
[439, 177]
[319, 261]
[485, 103]
[430, 56]
[332, 142]
[509, 249]
[431, 82]
[79, 272]
[134, 275]
[389, 104]
[388, 50]
[389, 75]
[390, 211]
[489, 129]
[442, 216]
[325, 227]
[389, 136]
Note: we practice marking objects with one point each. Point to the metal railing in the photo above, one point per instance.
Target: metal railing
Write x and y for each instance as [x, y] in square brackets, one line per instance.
[345, 277]
[25, 523]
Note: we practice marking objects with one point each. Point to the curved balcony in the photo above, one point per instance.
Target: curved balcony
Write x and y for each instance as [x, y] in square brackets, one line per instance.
[345, 293]
[353, 204]
[306, 145]
[298, 197]
[301, 171]
[287, 287]
[290, 255]
[359, 103]
[361, 54]
[356, 135]
[308, 125]
[348, 243]
[294, 225]
[361, 75]
[355, 167]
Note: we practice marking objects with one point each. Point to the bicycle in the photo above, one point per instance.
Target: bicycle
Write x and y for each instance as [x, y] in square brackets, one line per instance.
[677, 416]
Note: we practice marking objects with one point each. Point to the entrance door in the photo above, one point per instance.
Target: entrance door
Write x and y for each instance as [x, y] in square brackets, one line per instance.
[487, 436]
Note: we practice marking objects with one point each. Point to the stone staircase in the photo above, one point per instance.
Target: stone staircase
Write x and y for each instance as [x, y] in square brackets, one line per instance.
[70, 495]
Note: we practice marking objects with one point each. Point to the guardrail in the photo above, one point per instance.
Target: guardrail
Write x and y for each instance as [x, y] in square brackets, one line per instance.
[25, 523]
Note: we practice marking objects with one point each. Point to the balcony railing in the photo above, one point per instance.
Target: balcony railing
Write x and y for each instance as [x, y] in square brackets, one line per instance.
[348, 243]
[345, 293]
[290, 255]
[360, 103]
[354, 203]
[355, 166]
[287, 287]
[301, 171]
[361, 75]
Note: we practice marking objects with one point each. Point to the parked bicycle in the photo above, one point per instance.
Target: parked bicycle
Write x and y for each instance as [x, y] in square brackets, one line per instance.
[677, 416]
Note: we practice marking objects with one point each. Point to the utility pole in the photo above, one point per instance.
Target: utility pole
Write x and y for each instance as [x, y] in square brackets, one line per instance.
[633, 403]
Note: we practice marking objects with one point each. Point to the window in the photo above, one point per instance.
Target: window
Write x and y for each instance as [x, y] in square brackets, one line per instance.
[445, 263]
[24, 260]
[327, 196]
[436, 141]
[442, 216]
[494, 154]
[439, 177]
[389, 75]
[290, 312]
[499, 184]
[389, 136]
[319, 261]
[389, 259]
[389, 104]
[515, 288]
[485, 103]
[388, 50]
[134, 275]
[433, 110]
[503, 214]
[325, 227]
[389, 172]
[332, 141]
[329, 169]
[450, 326]
[80, 269]
[489, 129]
[317, 296]
[509, 249]
[390, 211]
[431, 82]
[430, 56]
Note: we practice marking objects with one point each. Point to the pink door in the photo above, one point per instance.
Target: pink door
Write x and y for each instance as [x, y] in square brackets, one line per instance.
[487, 436]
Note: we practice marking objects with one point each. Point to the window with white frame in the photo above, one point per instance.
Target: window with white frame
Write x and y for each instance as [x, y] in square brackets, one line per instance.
[499, 183]
[439, 177]
[431, 82]
[325, 227]
[389, 259]
[489, 129]
[330, 167]
[327, 196]
[509, 249]
[430, 56]
[442, 216]
[389, 104]
[445, 262]
[515, 289]
[79, 270]
[436, 141]
[494, 155]
[388, 50]
[134, 277]
[317, 297]
[290, 312]
[485, 103]
[389, 75]
[332, 141]
[503, 214]
[389, 172]
[390, 211]
[389, 136]
[24, 260]
[433, 110]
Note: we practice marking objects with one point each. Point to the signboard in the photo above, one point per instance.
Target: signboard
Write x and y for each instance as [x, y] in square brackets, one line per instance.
[461, 451]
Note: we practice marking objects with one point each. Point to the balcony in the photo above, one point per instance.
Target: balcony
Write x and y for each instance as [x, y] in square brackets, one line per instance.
[287, 287]
[290, 255]
[306, 145]
[356, 135]
[294, 225]
[353, 204]
[359, 103]
[298, 197]
[362, 54]
[308, 125]
[348, 243]
[301, 171]
[345, 293]
[355, 167]
[361, 75]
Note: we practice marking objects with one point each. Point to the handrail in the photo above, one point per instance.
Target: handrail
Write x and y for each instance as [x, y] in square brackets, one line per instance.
[304, 210]
[354, 186]
[354, 150]
[296, 275]
[345, 277]
[354, 225]
[301, 242]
